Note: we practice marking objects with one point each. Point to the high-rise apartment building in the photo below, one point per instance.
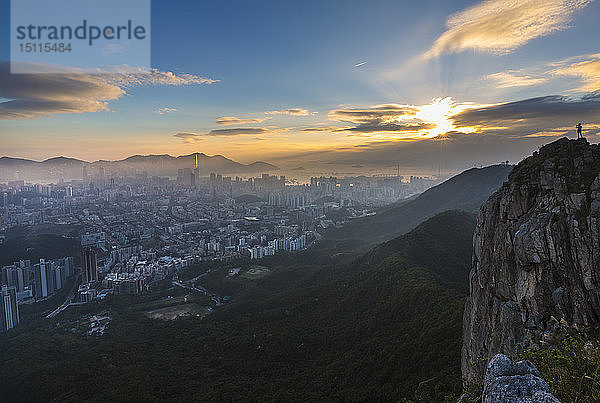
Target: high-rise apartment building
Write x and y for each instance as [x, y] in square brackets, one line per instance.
[89, 266]
[9, 309]
[44, 279]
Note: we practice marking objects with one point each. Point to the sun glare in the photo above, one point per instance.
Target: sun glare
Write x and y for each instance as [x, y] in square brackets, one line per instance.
[439, 112]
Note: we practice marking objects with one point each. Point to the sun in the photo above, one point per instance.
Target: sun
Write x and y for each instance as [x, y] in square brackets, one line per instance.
[440, 112]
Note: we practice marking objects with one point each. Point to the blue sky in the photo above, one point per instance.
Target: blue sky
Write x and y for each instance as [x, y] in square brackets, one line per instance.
[274, 56]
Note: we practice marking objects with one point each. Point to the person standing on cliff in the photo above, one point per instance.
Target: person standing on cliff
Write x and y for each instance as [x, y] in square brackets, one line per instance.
[579, 128]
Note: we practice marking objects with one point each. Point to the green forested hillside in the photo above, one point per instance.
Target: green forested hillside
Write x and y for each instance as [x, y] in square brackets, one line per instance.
[39, 241]
[372, 329]
[442, 245]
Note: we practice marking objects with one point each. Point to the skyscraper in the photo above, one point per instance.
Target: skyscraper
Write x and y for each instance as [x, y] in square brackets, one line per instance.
[9, 309]
[45, 280]
[89, 265]
[196, 167]
[13, 276]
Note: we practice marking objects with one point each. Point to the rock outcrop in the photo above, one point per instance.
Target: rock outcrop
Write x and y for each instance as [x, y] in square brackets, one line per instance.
[536, 255]
[520, 382]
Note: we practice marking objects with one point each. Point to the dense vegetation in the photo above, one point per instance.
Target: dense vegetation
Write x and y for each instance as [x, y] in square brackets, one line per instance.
[443, 245]
[571, 367]
[41, 241]
[371, 329]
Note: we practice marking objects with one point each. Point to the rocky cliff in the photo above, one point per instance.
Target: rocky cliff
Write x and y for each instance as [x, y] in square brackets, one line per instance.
[536, 255]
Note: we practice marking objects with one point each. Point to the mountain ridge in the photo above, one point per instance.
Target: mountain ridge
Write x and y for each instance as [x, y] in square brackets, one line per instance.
[134, 156]
[62, 167]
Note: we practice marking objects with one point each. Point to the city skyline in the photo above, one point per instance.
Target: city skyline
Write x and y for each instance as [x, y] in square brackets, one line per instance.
[430, 86]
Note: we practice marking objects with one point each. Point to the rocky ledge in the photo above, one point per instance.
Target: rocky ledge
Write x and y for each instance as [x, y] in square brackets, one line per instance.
[536, 255]
[518, 382]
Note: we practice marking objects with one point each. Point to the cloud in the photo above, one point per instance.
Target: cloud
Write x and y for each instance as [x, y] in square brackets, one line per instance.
[372, 128]
[391, 127]
[239, 131]
[33, 96]
[457, 134]
[165, 110]
[403, 121]
[510, 79]
[500, 26]
[31, 109]
[586, 67]
[227, 120]
[291, 111]
[379, 113]
[138, 77]
[324, 129]
[188, 138]
[551, 114]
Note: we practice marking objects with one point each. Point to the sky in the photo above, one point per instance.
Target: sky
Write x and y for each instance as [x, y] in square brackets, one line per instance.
[360, 86]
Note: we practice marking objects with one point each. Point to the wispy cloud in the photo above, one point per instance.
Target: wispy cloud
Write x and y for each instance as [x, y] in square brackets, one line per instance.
[377, 127]
[37, 95]
[381, 113]
[500, 26]
[229, 120]
[165, 110]
[585, 67]
[239, 131]
[138, 77]
[291, 111]
[188, 138]
[510, 79]
[325, 129]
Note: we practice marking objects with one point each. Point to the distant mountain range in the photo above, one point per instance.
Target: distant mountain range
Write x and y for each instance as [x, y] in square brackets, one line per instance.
[162, 165]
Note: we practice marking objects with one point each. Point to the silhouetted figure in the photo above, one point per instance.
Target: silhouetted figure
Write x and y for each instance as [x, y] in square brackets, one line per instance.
[579, 127]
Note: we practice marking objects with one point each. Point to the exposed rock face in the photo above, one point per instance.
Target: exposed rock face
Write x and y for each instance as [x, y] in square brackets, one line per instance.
[536, 255]
[515, 382]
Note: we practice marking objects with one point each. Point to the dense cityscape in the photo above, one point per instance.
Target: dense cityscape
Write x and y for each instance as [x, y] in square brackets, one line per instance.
[133, 231]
